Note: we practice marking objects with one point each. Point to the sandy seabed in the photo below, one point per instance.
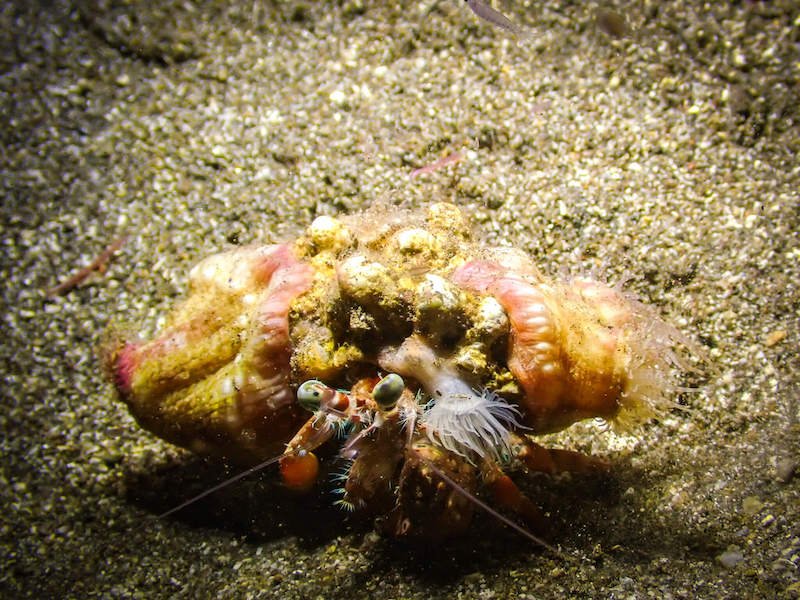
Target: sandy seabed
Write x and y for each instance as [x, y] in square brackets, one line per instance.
[651, 140]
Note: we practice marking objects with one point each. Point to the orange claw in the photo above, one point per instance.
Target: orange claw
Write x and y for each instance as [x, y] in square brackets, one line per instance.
[299, 471]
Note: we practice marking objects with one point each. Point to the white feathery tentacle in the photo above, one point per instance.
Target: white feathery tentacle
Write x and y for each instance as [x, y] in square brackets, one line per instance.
[466, 421]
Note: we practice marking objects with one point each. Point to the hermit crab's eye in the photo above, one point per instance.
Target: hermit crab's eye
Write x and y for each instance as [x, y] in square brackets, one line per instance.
[388, 390]
[310, 394]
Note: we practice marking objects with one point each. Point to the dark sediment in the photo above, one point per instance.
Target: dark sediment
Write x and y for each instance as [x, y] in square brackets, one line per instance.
[660, 143]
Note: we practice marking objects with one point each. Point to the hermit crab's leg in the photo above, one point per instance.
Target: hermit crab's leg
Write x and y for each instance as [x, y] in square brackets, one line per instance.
[540, 459]
[553, 460]
[461, 490]
[299, 465]
[507, 495]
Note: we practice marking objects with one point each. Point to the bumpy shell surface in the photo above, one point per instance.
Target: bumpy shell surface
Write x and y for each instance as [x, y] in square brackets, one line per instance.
[258, 321]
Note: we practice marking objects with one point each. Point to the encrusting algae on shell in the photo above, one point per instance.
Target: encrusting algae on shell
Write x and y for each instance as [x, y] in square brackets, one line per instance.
[431, 357]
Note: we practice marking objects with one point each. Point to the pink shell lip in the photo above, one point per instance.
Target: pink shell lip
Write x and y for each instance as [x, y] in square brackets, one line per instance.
[281, 257]
[479, 275]
[268, 354]
[213, 385]
[564, 355]
[123, 368]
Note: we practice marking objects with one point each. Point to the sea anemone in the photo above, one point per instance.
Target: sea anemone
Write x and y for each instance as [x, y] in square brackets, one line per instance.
[466, 420]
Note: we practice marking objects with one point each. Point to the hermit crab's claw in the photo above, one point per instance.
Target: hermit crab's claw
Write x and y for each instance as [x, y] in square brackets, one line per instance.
[216, 380]
[299, 471]
[428, 507]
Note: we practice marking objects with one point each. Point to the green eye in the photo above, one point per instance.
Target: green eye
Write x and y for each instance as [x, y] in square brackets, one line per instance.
[309, 394]
[388, 390]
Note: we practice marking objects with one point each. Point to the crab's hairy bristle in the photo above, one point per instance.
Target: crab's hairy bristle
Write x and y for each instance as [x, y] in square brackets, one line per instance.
[342, 428]
[476, 424]
[345, 504]
[340, 476]
[410, 414]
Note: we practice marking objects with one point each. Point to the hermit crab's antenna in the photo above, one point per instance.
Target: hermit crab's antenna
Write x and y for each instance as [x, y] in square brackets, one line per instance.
[260, 466]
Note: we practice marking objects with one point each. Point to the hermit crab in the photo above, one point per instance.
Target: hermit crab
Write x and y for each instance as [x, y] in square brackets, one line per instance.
[430, 361]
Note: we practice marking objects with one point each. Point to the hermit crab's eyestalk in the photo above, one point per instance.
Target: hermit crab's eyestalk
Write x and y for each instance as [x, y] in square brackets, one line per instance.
[388, 391]
[311, 393]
